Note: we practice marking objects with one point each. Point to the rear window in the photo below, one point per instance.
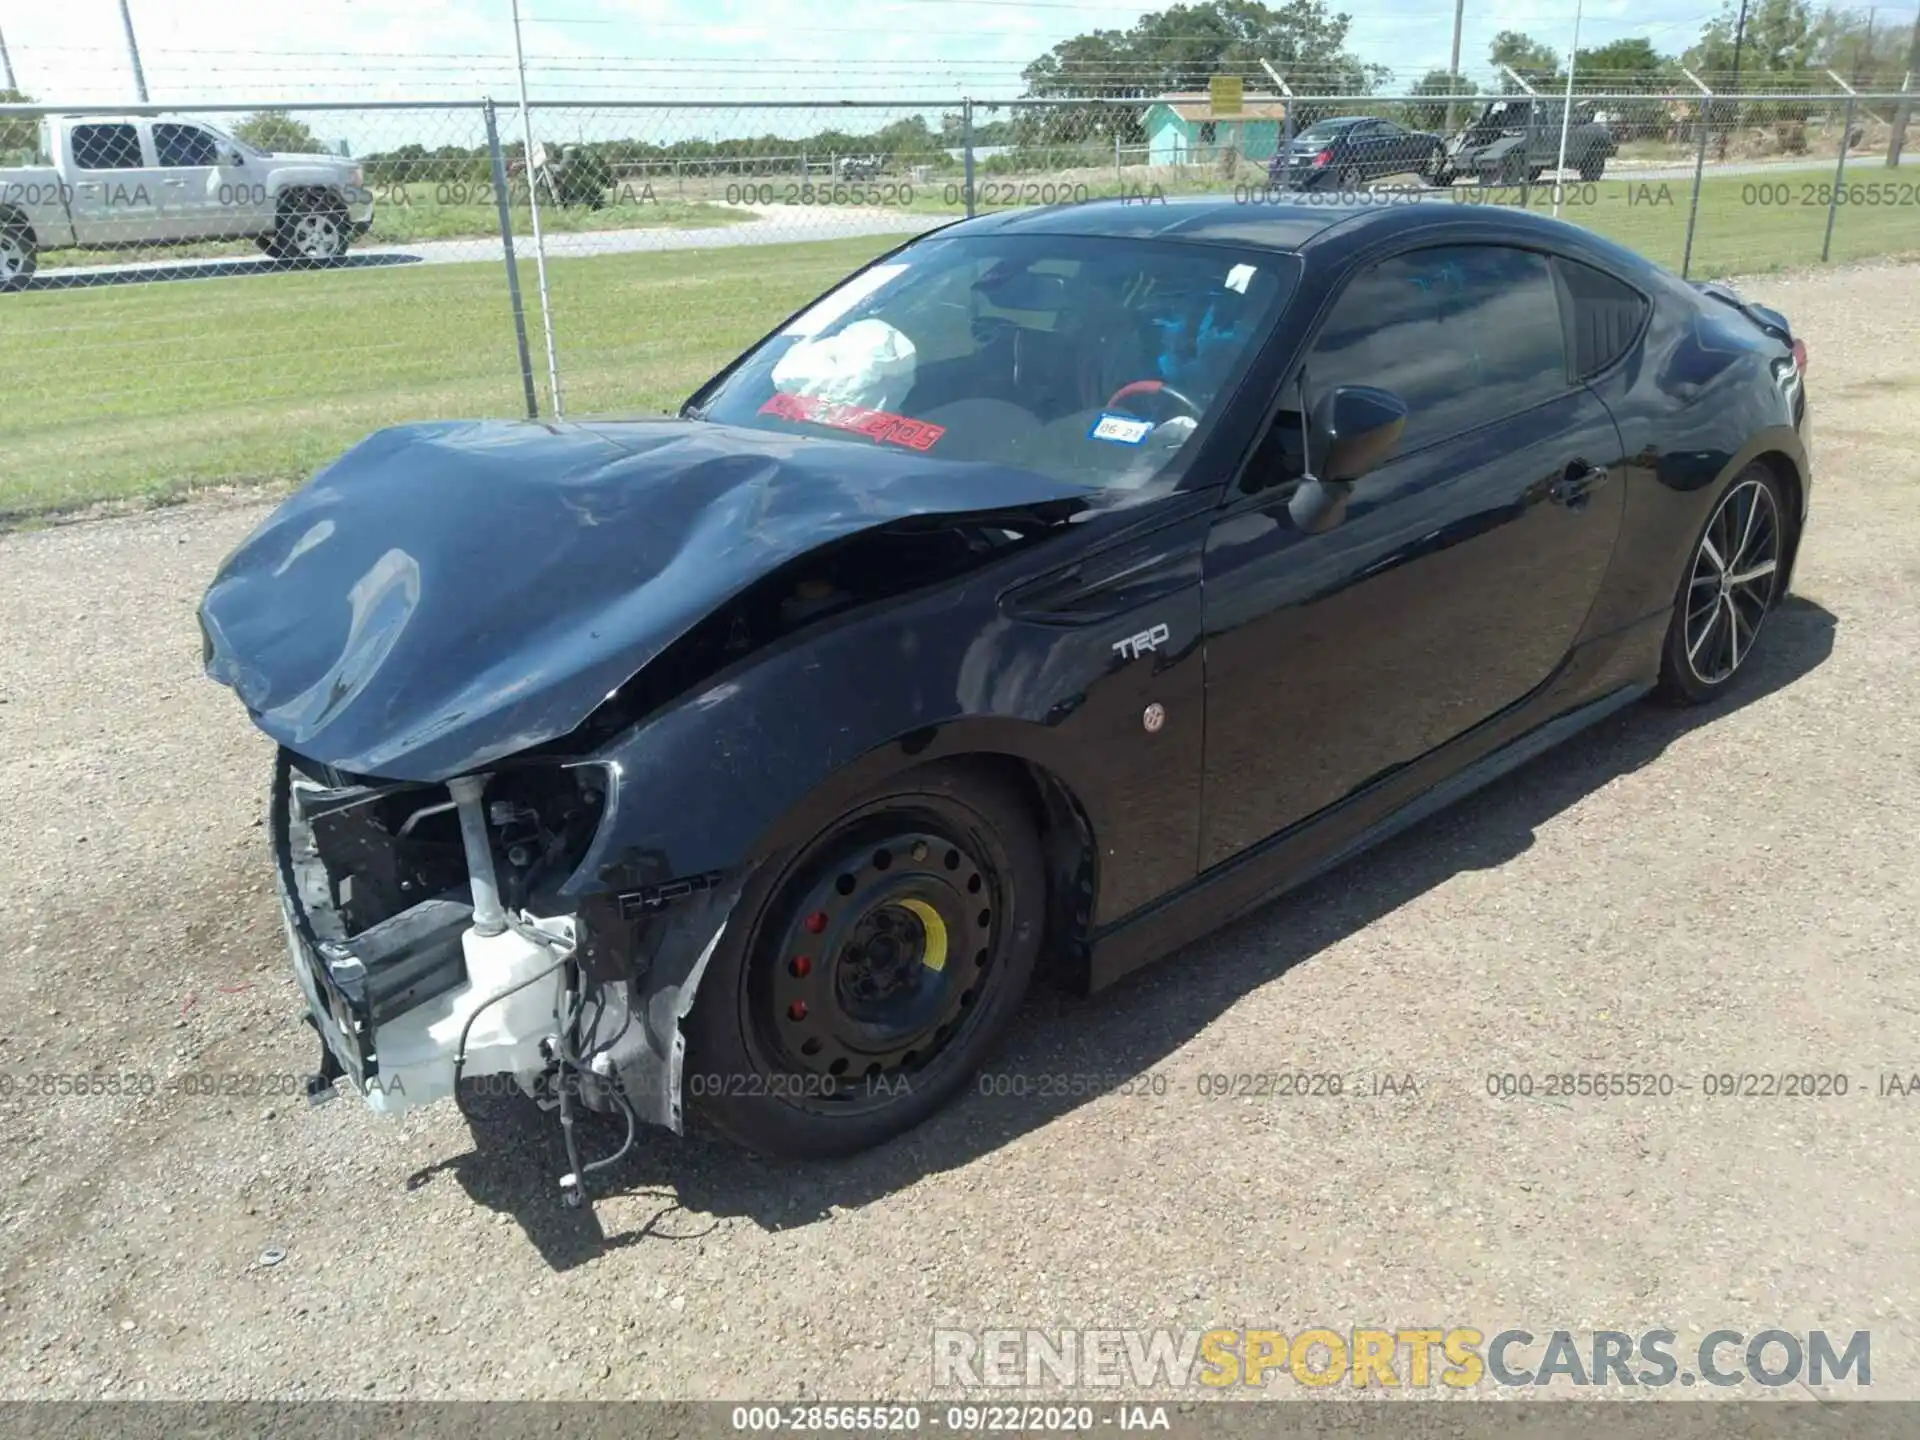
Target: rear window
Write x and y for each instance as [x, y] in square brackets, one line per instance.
[1607, 316]
[1093, 360]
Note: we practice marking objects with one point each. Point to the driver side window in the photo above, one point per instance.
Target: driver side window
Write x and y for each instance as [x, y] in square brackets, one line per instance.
[1463, 334]
[184, 146]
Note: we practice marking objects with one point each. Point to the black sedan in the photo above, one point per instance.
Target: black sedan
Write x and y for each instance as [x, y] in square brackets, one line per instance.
[1344, 152]
[1055, 589]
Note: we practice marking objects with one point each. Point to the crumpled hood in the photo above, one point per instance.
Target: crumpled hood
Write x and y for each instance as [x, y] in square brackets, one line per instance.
[448, 594]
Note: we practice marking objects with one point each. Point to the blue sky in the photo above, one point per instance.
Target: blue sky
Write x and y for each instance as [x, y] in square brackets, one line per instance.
[210, 50]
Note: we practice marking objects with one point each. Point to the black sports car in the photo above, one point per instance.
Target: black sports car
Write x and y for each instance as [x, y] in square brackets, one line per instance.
[1346, 150]
[1058, 587]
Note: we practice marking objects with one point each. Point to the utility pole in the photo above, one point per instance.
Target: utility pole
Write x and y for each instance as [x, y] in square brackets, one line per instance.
[1453, 65]
[1864, 56]
[6, 67]
[133, 53]
[1897, 142]
[1739, 41]
[1566, 107]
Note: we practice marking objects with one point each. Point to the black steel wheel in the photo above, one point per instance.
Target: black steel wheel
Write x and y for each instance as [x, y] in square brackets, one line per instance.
[1731, 584]
[866, 973]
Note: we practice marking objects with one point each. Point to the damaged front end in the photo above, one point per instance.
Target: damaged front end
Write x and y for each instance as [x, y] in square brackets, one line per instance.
[451, 632]
[440, 949]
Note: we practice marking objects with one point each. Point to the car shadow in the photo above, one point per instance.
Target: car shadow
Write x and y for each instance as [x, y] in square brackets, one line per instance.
[152, 273]
[684, 1184]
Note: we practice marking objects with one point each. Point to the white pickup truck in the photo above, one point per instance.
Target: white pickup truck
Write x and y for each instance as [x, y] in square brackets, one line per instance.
[133, 182]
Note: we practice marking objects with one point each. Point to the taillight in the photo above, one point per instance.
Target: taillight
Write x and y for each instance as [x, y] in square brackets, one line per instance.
[1800, 356]
[1325, 157]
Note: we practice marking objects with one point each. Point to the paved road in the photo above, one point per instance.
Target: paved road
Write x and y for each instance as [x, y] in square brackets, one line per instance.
[1734, 889]
[799, 223]
[776, 225]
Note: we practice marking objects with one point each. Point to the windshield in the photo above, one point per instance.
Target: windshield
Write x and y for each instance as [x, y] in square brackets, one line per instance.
[1503, 112]
[1091, 360]
[237, 143]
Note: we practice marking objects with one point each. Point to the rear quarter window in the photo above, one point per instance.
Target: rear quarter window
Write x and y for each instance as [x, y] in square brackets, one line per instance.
[1605, 316]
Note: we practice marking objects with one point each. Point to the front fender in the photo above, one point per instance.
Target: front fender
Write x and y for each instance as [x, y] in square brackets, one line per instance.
[767, 752]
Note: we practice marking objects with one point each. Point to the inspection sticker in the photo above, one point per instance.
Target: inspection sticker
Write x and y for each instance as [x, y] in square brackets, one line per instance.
[1120, 429]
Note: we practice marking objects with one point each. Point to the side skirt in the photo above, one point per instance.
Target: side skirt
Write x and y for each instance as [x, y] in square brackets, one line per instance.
[1314, 846]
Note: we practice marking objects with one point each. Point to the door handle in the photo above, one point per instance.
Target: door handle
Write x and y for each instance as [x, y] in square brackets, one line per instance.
[1574, 483]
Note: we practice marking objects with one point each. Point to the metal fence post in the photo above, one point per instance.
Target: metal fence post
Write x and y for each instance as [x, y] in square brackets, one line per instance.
[966, 142]
[1286, 123]
[1699, 171]
[513, 268]
[533, 214]
[1839, 168]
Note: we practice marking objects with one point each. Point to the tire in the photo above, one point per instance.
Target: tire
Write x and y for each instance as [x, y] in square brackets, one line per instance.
[1534, 172]
[311, 232]
[19, 257]
[1705, 650]
[1443, 176]
[1592, 166]
[1349, 179]
[808, 1048]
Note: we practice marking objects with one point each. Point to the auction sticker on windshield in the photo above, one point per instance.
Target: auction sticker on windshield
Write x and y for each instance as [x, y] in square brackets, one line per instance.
[874, 424]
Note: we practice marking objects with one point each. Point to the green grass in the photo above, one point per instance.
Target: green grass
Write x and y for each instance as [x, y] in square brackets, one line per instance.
[425, 217]
[1741, 230]
[149, 392]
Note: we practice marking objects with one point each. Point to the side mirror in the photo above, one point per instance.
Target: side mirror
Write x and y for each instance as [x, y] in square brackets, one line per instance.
[1355, 427]
[234, 157]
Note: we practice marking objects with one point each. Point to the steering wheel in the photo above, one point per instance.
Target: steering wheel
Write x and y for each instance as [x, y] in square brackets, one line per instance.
[1159, 389]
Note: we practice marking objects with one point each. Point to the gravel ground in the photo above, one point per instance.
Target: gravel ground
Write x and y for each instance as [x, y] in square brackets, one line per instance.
[1733, 890]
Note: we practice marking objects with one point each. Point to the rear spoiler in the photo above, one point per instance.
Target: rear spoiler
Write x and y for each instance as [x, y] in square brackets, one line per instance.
[1765, 316]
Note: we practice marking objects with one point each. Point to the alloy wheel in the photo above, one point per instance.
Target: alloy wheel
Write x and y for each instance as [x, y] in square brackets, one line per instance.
[1732, 583]
[13, 257]
[316, 237]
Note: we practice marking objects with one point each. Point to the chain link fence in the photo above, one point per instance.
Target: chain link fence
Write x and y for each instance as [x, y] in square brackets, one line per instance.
[360, 264]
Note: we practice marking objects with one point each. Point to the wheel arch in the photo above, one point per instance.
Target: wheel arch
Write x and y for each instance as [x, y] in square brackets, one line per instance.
[304, 194]
[1061, 819]
[1787, 471]
[14, 218]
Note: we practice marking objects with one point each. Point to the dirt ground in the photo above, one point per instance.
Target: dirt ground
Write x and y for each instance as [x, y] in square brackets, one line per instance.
[1732, 890]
